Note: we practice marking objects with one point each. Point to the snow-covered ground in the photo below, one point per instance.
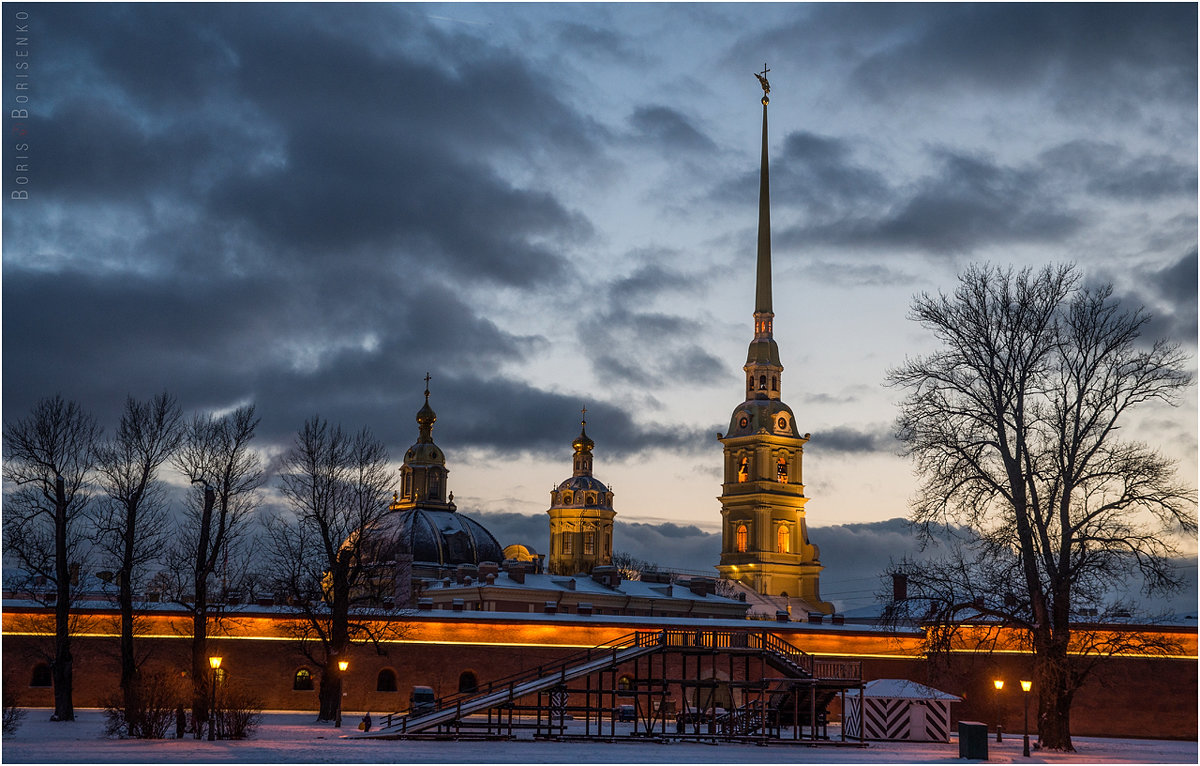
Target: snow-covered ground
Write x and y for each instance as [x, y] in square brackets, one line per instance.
[296, 738]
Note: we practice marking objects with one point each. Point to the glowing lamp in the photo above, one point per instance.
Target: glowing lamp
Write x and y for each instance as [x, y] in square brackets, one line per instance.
[342, 665]
[214, 662]
[1026, 685]
[999, 683]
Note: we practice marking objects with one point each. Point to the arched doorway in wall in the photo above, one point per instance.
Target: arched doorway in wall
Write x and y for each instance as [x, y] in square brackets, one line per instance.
[386, 681]
[41, 675]
[302, 681]
[467, 682]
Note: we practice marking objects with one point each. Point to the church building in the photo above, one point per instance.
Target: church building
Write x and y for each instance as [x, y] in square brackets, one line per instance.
[764, 537]
[581, 516]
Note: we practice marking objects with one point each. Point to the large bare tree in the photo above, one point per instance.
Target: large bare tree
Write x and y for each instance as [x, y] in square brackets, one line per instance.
[337, 486]
[1013, 424]
[48, 458]
[216, 455]
[131, 520]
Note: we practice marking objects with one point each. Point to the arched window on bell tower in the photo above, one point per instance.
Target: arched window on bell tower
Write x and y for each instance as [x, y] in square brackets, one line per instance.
[781, 470]
[783, 540]
[742, 538]
[744, 470]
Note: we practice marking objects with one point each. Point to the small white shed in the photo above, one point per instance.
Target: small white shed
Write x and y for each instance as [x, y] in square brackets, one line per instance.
[897, 709]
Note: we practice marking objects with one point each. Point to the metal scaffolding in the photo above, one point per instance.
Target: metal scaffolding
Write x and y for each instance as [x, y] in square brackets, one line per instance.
[701, 685]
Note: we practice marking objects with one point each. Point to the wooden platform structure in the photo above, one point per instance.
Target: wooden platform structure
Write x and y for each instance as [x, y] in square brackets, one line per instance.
[710, 685]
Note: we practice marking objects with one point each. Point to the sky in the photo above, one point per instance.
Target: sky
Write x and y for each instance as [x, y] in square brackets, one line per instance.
[549, 207]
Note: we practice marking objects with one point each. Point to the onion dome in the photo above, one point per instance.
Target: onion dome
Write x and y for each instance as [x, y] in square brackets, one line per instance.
[434, 538]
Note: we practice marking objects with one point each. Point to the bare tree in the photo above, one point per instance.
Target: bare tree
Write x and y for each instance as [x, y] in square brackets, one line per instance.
[217, 457]
[131, 520]
[630, 566]
[323, 553]
[1013, 425]
[47, 459]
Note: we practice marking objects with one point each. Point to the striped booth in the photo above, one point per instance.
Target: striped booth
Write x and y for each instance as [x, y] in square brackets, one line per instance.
[896, 709]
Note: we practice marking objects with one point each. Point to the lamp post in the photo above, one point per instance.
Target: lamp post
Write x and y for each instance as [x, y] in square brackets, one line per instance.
[1025, 687]
[999, 684]
[215, 664]
[342, 665]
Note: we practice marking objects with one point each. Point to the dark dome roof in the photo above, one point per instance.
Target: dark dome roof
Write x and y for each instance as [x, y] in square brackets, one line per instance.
[435, 538]
[764, 414]
[576, 483]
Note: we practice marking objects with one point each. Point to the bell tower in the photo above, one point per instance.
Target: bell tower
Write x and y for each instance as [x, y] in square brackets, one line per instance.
[581, 515]
[423, 474]
[764, 537]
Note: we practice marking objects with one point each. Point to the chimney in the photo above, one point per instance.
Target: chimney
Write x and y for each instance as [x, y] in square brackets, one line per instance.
[781, 615]
[702, 586]
[839, 618]
[425, 604]
[816, 618]
[899, 587]
[584, 608]
[488, 568]
[608, 576]
[551, 607]
[266, 602]
[517, 574]
[491, 578]
[457, 605]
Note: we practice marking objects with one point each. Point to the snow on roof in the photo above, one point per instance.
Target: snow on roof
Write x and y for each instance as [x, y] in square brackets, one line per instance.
[900, 688]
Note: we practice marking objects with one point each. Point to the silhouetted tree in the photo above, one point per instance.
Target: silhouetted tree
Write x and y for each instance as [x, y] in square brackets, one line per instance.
[322, 553]
[216, 456]
[48, 457]
[131, 519]
[1013, 426]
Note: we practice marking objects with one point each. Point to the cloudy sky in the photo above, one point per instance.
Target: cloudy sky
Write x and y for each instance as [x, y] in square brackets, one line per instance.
[550, 207]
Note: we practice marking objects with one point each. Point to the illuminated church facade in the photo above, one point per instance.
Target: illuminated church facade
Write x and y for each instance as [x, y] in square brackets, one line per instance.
[764, 536]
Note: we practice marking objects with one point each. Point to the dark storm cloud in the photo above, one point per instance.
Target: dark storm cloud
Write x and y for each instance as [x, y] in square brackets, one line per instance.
[641, 347]
[847, 439]
[599, 43]
[1107, 58]
[1080, 51]
[668, 129]
[966, 202]
[1169, 296]
[1109, 170]
[264, 204]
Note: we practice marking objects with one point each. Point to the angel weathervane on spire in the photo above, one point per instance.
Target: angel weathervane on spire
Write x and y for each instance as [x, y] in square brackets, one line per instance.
[762, 80]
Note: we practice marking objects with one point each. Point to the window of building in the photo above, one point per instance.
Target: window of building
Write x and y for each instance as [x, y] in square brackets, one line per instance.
[566, 544]
[566, 498]
[591, 498]
[467, 682]
[744, 470]
[781, 471]
[385, 681]
[407, 481]
[774, 383]
[762, 382]
[435, 487]
[41, 675]
[624, 684]
[589, 545]
[783, 540]
[302, 681]
[742, 538]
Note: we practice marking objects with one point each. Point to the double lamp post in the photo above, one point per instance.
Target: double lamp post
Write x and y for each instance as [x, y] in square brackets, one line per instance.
[1026, 686]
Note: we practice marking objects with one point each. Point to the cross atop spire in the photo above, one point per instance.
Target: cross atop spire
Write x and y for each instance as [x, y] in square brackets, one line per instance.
[427, 388]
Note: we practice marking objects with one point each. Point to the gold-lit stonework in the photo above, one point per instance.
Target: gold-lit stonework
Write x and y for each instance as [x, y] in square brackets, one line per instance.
[581, 516]
[764, 536]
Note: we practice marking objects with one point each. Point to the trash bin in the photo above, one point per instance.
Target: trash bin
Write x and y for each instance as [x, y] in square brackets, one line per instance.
[973, 740]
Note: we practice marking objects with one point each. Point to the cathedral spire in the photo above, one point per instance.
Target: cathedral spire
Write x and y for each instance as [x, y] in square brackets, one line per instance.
[762, 295]
[763, 368]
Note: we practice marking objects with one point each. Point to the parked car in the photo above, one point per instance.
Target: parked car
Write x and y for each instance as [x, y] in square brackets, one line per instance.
[626, 713]
[421, 700]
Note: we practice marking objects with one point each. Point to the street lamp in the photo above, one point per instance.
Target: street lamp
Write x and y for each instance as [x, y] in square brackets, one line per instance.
[999, 684]
[342, 665]
[215, 664]
[1025, 687]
